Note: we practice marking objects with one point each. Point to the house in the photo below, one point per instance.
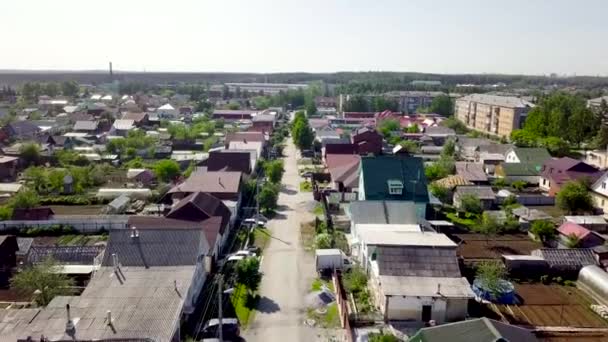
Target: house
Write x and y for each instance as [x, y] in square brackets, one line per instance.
[224, 185]
[566, 260]
[199, 206]
[245, 137]
[215, 232]
[439, 134]
[478, 330]
[232, 115]
[557, 172]
[244, 145]
[167, 111]
[326, 102]
[33, 214]
[21, 130]
[535, 156]
[415, 275]
[337, 146]
[472, 172]
[141, 176]
[90, 127]
[367, 141]
[263, 122]
[513, 172]
[344, 171]
[229, 160]
[526, 215]
[8, 167]
[485, 194]
[586, 238]
[139, 119]
[596, 223]
[393, 178]
[326, 133]
[122, 127]
[152, 276]
[8, 258]
[599, 193]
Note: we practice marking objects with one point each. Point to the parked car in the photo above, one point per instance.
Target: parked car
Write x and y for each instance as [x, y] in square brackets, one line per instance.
[230, 328]
[246, 253]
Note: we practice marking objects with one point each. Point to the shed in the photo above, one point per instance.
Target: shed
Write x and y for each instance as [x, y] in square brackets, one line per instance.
[484, 193]
[594, 280]
[596, 223]
[118, 205]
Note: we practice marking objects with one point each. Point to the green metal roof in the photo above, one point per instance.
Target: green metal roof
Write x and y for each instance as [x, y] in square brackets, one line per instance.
[532, 155]
[379, 171]
[521, 169]
[478, 330]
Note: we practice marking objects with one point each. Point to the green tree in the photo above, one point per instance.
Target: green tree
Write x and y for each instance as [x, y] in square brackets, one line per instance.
[274, 170]
[56, 177]
[301, 132]
[574, 197]
[458, 126]
[524, 138]
[413, 129]
[6, 212]
[323, 241]
[471, 204]
[51, 89]
[234, 106]
[543, 230]
[36, 178]
[488, 225]
[442, 193]
[449, 149]
[573, 241]
[248, 273]
[440, 169]
[69, 88]
[311, 108]
[382, 337]
[491, 275]
[381, 103]
[268, 197]
[519, 185]
[166, 170]
[442, 105]
[356, 103]
[42, 280]
[25, 200]
[388, 126]
[30, 153]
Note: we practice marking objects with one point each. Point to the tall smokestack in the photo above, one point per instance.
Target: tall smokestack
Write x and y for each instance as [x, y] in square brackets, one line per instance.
[111, 74]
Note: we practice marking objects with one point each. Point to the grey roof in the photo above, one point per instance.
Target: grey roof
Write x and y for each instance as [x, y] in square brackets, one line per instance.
[482, 192]
[72, 255]
[263, 118]
[24, 244]
[144, 303]
[119, 202]
[531, 214]
[472, 172]
[85, 125]
[478, 330]
[417, 261]
[567, 257]
[495, 100]
[156, 247]
[439, 131]
[390, 212]
[444, 287]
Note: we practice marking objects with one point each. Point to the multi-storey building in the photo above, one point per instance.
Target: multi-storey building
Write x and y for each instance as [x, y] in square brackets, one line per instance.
[409, 101]
[496, 115]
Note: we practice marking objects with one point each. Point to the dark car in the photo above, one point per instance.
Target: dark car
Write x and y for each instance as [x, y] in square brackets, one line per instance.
[230, 327]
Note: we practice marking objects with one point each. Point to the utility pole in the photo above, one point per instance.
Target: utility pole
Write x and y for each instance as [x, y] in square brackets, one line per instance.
[220, 293]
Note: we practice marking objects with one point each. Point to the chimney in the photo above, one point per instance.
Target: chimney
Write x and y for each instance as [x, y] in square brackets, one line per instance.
[111, 73]
[219, 180]
[109, 317]
[438, 289]
[115, 261]
[134, 233]
[70, 328]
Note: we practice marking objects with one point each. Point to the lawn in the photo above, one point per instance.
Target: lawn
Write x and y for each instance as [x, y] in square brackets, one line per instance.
[305, 186]
[243, 305]
[318, 210]
[465, 222]
[330, 319]
[307, 232]
[261, 237]
[318, 283]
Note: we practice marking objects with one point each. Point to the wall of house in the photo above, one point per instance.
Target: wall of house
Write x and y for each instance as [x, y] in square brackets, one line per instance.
[409, 308]
[600, 201]
[511, 157]
[544, 183]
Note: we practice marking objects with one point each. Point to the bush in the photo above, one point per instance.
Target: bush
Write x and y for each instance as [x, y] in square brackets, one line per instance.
[323, 241]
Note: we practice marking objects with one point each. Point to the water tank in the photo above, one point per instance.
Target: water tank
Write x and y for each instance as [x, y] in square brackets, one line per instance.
[506, 294]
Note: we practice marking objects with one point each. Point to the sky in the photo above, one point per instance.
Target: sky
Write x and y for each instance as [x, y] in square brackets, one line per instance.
[438, 36]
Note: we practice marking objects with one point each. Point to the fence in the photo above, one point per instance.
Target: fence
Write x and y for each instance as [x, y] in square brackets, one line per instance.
[82, 223]
[342, 303]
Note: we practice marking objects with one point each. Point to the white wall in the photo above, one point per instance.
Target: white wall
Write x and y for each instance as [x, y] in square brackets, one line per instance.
[511, 157]
[544, 184]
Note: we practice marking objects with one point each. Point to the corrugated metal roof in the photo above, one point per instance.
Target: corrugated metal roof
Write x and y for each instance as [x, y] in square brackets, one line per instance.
[445, 287]
[417, 261]
[389, 212]
[396, 238]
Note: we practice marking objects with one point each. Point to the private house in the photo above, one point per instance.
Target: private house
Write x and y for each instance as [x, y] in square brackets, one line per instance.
[390, 178]
[230, 161]
[263, 122]
[382, 212]
[478, 330]
[232, 115]
[337, 146]
[139, 119]
[8, 168]
[557, 172]
[527, 155]
[596, 223]
[151, 276]
[200, 206]
[472, 172]
[144, 177]
[566, 260]
[414, 275]
[224, 185]
[20, 130]
[326, 102]
[122, 127]
[215, 232]
[367, 141]
[344, 171]
[326, 133]
[89, 127]
[439, 134]
[8, 258]
[586, 237]
[246, 145]
[485, 194]
[167, 111]
[512, 172]
[245, 137]
[599, 192]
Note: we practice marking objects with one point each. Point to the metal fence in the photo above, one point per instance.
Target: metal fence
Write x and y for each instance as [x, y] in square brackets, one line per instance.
[81, 223]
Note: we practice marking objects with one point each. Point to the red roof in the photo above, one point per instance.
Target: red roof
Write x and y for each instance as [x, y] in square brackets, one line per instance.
[567, 169]
[569, 228]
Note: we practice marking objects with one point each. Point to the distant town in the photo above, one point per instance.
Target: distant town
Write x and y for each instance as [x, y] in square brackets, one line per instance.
[380, 207]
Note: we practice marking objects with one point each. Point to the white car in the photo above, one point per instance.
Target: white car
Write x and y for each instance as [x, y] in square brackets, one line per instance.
[244, 253]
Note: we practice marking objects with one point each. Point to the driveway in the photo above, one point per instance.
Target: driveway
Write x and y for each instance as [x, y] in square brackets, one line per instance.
[288, 269]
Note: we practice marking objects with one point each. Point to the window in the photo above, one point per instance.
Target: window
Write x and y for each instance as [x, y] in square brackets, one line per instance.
[604, 185]
[395, 187]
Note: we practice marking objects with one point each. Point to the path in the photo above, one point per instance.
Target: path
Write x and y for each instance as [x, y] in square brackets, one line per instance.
[288, 269]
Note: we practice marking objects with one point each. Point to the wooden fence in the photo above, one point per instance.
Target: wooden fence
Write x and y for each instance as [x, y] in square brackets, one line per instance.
[342, 303]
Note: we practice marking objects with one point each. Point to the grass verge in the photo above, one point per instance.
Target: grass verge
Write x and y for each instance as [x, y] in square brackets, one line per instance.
[318, 283]
[329, 319]
[465, 222]
[305, 186]
[307, 233]
[261, 237]
[244, 305]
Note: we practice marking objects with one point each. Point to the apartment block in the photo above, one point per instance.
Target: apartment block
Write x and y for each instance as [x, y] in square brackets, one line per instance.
[493, 114]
